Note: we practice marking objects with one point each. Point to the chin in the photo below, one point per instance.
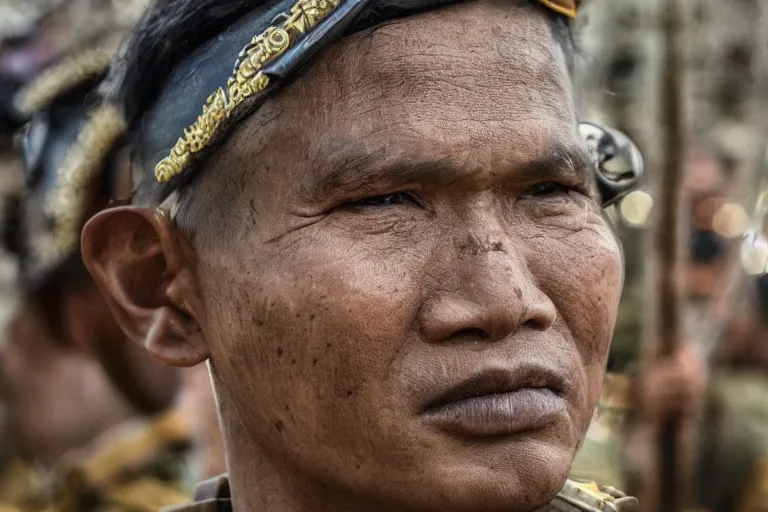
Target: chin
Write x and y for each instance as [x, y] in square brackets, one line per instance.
[484, 489]
[520, 473]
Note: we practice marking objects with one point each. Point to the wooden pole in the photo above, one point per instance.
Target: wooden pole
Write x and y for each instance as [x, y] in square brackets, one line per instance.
[669, 246]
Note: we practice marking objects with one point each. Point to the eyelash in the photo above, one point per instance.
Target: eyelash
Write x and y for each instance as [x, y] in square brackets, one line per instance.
[384, 201]
[555, 188]
[577, 185]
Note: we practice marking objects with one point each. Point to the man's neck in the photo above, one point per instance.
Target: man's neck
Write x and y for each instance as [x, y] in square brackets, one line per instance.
[258, 483]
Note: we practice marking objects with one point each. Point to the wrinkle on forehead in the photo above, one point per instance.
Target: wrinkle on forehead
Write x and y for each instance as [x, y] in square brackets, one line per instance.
[458, 53]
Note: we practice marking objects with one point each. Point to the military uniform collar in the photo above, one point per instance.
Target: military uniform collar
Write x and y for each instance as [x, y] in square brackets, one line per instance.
[210, 496]
[214, 496]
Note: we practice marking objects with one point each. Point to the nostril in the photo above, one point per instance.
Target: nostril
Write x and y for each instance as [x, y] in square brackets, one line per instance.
[470, 335]
[537, 324]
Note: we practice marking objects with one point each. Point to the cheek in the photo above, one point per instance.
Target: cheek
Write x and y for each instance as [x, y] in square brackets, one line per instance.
[581, 271]
[319, 326]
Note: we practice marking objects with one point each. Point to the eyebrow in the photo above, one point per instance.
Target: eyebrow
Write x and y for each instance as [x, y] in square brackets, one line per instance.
[563, 160]
[352, 170]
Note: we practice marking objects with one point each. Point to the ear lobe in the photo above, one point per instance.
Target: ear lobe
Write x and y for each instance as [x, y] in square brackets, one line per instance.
[142, 266]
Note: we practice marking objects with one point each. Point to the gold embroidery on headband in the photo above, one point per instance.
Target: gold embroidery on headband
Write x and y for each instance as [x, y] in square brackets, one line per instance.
[68, 74]
[246, 81]
[80, 167]
[564, 7]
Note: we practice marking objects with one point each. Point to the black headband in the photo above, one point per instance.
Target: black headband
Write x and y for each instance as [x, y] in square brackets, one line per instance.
[177, 134]
[66, 148]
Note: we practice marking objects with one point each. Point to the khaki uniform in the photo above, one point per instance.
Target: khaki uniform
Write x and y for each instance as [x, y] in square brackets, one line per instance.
[140, 470]
[214, 496]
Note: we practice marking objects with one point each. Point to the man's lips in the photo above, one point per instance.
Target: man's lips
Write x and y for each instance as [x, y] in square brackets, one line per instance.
[499, 402]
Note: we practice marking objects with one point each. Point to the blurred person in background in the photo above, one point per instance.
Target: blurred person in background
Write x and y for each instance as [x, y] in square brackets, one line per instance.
[45, 31]
[34, 34]
[732, 472]
[22, 56]
[52, 31]
[86, 412]
[726, 403]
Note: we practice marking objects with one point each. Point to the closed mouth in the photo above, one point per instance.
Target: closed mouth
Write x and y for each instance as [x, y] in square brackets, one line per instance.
[497, 382]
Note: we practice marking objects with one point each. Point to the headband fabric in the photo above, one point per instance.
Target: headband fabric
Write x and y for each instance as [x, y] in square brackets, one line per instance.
[174, 138]
[293, 35]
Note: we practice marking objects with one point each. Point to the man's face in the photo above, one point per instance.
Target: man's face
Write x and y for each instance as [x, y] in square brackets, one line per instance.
[412, 291]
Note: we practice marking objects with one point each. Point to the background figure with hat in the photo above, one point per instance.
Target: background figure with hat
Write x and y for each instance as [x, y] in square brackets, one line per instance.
[22, 55]
[33, 34]
[88, 414]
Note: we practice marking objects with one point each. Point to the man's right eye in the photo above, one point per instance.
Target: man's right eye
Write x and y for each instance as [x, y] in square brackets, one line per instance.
[397, 199]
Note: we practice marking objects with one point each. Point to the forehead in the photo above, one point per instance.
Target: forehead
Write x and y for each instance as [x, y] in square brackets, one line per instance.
[474, 79]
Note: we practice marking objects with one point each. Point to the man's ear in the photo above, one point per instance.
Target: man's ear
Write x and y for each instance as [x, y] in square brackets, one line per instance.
[145, 269]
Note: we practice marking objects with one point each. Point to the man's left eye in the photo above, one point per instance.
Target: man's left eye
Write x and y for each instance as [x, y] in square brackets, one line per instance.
[548, 188]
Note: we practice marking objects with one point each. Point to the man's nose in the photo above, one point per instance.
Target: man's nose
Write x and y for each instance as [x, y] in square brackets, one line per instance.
[493, 294]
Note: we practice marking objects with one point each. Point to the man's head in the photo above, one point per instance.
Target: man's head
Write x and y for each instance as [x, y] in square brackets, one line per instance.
[408, 224]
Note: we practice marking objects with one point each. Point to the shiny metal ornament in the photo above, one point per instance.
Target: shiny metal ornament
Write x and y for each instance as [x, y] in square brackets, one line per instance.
[619, 164]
